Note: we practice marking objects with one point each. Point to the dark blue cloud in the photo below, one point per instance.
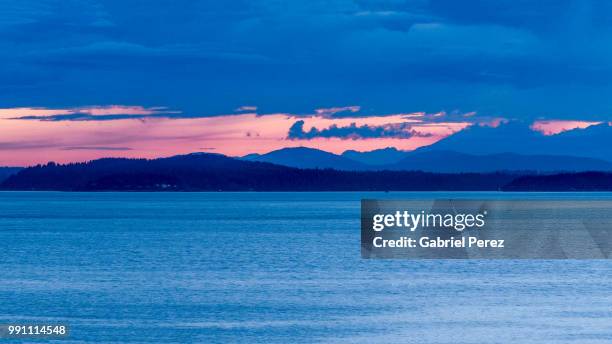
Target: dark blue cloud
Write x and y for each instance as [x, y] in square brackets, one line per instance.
[353, 131]
[79, 117]
[521, 59]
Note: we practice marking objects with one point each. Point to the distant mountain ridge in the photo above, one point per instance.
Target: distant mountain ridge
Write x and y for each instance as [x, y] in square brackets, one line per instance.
[477, 158]
[454, 162]
[443, 161]
[303, 157]
[385, 156]
[518, 138]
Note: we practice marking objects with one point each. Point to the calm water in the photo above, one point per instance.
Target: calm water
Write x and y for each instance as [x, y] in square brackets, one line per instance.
[272, 268]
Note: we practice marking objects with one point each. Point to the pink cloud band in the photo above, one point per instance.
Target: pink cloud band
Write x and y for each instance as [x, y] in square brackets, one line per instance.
[553, 127]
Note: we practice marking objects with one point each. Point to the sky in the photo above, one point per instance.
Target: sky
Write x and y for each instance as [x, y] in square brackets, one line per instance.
[83, 79]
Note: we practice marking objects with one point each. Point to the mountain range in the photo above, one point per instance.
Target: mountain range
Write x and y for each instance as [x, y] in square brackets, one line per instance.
[515, 137]
[509, 147]
[482, 158]
[432, 161]
[303, 157]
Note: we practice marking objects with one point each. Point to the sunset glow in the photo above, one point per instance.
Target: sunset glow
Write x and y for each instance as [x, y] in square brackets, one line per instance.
[34, 135]
[552, 127]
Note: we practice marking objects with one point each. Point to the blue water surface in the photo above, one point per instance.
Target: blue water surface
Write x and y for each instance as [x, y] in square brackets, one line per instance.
[272, 268]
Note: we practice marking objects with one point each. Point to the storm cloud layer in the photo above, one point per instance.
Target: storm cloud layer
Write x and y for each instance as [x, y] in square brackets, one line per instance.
[522, 59]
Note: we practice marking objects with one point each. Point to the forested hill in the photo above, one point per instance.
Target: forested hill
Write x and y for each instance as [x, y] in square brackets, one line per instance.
[585, 181]
[5, 172]
[213, 172]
